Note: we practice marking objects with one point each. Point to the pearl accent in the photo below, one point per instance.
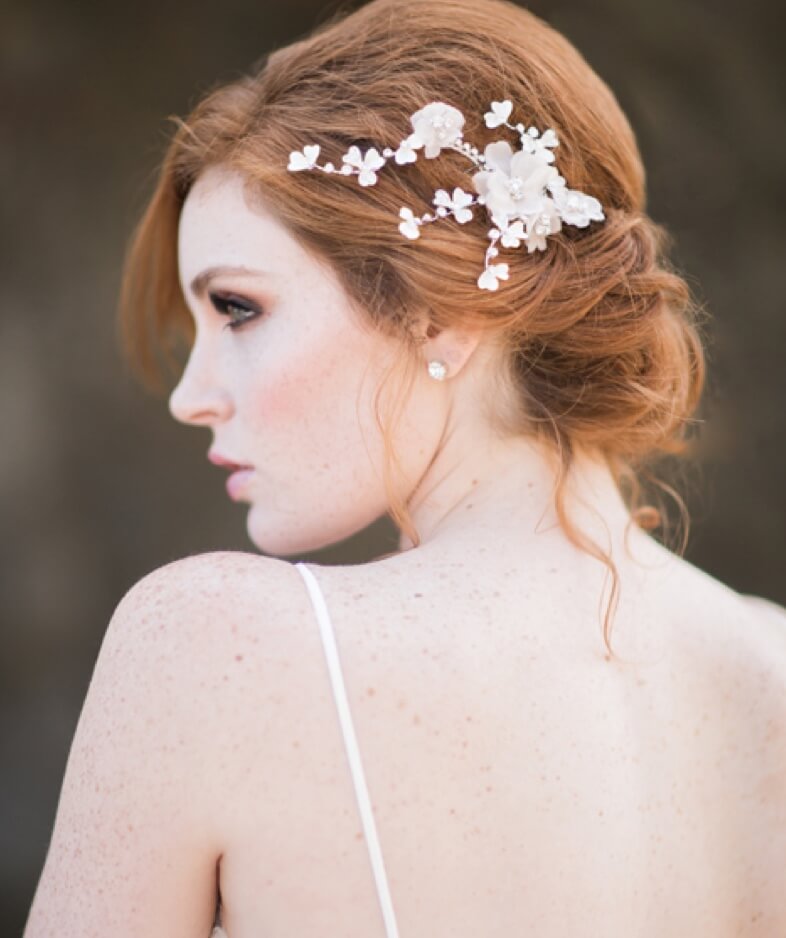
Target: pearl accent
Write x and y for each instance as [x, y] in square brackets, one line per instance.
[516, 188]
[437, 370]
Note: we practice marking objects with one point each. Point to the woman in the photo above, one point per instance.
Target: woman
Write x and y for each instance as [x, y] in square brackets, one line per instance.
[413, 257]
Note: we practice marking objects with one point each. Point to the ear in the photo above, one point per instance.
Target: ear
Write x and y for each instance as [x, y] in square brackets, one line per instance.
[454, 347]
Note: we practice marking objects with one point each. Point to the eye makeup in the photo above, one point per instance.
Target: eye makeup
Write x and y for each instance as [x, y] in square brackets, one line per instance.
[237, 309]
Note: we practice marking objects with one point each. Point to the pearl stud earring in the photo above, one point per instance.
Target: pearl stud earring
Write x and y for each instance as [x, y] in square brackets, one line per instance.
[437, 370]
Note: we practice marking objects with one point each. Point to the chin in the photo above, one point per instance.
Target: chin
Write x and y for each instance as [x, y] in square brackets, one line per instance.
[289, 535]
[275, 541]
[282, 536]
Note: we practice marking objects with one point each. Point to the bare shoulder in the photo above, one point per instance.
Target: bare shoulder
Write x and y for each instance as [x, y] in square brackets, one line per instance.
[744, 634]
[755, 631]
[179, 685]
[733, 651]
[206, 597]
[207, 628]
[765, 634]
[210, 578]
[770, 614]
[703, 614]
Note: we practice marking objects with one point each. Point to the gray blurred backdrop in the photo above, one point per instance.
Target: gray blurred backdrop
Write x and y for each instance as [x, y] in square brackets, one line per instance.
[99, 486]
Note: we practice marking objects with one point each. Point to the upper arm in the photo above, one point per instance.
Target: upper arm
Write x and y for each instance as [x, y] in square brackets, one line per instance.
[136, 843]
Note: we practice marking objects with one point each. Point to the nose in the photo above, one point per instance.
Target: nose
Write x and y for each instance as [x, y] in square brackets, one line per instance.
[199, 399]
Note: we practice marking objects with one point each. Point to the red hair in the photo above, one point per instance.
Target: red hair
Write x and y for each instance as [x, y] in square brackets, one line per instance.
[597, 335]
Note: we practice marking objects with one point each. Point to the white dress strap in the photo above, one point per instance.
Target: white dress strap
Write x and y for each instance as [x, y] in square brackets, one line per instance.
[351, 745]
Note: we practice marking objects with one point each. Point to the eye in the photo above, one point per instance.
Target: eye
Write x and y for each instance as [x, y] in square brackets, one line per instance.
[238, 310]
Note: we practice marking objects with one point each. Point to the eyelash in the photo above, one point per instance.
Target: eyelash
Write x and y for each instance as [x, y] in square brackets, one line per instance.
[224, 306]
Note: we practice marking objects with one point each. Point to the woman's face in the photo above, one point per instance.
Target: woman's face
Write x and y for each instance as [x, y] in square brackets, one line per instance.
[284, 374]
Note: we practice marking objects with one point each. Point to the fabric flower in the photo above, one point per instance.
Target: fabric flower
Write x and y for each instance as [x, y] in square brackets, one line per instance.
[499, 113]
[457, 204]
[513, 185]
[513, 235]
[406, 149]
[436, 126]
[524, 196]
[540, 145]
[409, 226]
[539, 227]
[305, 159]
[576, 208]
[365, 164]
[491, 276]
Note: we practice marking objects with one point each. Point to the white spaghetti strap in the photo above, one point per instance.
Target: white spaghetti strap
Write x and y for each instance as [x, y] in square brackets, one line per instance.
[353, 753]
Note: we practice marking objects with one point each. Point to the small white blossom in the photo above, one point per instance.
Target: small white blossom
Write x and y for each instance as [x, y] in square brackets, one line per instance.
[513, 235]
[406, 149]
[437, 125]
[540, 145]
[499, 113]
[456, 204]
[409, 227]
[491, 276]
[364, 164]
[525, 198]
[576, 208]
[305, 159]
[556, 184]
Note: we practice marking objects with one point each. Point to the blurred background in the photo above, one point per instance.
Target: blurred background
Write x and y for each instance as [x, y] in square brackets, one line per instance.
[99, 486]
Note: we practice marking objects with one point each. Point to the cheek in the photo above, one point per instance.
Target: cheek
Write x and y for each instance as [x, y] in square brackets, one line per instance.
[275, 400]
[308, 390]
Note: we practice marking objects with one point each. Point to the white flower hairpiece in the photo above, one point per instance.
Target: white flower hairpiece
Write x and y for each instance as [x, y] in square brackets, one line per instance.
[525, 197]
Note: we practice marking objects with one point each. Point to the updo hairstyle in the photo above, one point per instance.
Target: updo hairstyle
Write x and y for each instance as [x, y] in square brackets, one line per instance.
[597, 338]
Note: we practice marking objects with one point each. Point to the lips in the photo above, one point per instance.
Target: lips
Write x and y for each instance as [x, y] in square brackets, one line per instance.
[241, 474]
[218, 460]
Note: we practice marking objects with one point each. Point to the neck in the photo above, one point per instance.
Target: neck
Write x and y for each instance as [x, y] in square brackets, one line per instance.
[488, 492]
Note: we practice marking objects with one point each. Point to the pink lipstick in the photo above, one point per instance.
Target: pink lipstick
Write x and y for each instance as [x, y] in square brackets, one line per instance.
[240, 476]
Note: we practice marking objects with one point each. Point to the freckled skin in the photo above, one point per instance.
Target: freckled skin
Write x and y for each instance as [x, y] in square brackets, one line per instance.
[291, 392]
[518, 777]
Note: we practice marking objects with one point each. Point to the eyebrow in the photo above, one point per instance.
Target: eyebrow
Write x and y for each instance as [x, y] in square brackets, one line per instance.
[200, 282]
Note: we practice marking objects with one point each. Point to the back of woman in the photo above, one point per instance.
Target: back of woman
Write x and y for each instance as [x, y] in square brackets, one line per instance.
[412, 259]
[520, 782]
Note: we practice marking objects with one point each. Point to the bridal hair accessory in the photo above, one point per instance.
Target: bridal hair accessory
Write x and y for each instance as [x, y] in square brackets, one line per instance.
[525, 197]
